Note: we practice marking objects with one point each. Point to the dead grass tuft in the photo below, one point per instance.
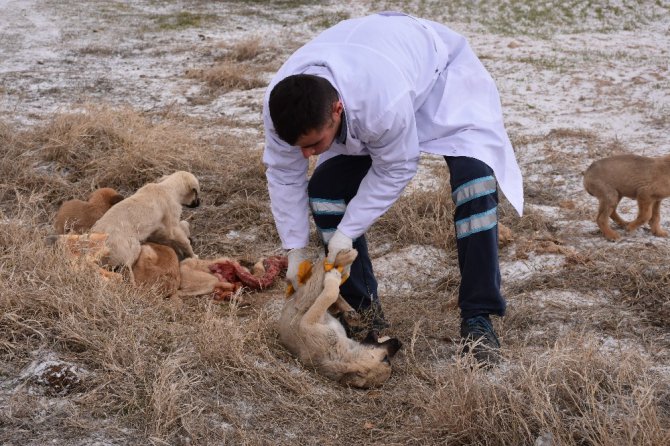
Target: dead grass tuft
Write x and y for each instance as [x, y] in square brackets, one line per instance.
[421, 218]
[227, 76]
[247, 49]
[117, 147]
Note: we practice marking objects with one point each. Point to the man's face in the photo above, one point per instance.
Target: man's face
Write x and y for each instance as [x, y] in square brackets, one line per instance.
[317, 141]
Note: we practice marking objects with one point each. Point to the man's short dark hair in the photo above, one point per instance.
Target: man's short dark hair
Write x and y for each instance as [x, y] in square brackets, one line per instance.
[300, 103]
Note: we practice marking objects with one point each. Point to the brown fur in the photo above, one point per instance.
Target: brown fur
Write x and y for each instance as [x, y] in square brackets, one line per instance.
[154, 208]
[79, 216]
[85, 251]
[311, 333]
[158, 265]
[639, 177]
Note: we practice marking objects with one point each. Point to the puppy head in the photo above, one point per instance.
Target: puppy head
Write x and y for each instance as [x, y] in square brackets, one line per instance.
[106, 196]
[373, 367]
[185, 185]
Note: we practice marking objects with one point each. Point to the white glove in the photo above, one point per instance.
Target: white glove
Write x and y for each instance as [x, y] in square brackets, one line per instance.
[337, 243]
[295, 257]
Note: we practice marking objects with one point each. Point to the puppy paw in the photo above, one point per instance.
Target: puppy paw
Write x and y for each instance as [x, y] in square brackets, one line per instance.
[346, 257]
[660, 233]
[332, 278]
[612, 236]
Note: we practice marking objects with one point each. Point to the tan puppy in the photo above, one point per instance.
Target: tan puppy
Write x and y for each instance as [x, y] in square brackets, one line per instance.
[158, 265]
[197, 280]
[79, 216]
[310, 332]
[85, 251]
[645, 179]
[154, 208]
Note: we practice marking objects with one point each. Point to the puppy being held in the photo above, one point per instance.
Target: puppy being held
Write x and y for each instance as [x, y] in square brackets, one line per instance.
[318, 339]
[154, 209]
[639, 177]
[79, 216]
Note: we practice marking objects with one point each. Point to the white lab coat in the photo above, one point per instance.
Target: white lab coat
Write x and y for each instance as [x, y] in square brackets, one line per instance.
[408, 85]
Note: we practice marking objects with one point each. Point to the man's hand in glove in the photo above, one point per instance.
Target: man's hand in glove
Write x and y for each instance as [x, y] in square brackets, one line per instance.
[337, 243]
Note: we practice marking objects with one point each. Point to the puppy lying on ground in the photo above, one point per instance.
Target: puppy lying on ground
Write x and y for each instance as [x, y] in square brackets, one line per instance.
[645, 179]
[154, 209]
[158, 265]
[85, 251]
[198, 280]
[79, 216]
[311, 333]
[223, 276]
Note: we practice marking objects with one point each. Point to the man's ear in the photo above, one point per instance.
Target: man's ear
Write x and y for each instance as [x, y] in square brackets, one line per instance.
[337, 107]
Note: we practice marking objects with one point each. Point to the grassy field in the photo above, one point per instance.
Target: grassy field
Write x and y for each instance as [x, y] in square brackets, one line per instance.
[116, 94]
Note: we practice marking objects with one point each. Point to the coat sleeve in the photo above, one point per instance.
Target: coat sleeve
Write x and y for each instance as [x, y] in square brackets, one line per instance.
[394, 148]
[286, 172]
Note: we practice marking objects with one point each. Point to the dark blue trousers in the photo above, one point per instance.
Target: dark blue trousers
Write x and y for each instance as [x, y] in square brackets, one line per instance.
[474, 191]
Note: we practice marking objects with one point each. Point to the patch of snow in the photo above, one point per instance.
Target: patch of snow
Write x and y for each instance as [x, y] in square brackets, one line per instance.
[402, 271]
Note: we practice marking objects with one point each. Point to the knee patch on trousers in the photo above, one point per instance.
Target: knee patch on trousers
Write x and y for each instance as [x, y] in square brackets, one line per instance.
[327, 215]
[476, 199]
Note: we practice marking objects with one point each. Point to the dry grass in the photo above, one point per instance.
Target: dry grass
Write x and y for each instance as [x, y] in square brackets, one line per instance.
[640, 277]
[420, 218]
[243, 65]
[204, 373]
[227, 76]
[158, 373]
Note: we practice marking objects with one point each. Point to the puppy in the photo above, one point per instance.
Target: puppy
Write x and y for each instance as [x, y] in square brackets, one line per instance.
[197, 279]
[154, 208]
[311, 333]
[79, 216]
[158, 265]
[645, 179]
[84, 251]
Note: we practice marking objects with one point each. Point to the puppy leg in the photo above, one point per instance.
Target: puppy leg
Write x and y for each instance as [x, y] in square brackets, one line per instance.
[342, 308]
[644, 205]
[182, 240]
[655, 221]
[616, 217]
[135, 249]
[605, 209]
[331, 290]
[165, 237]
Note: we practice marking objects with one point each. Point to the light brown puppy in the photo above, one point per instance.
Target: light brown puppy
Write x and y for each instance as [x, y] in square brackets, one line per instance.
[84, 251]
[158, 265]
[79, 216]
[197, 280]
[311, 333]
[154, 208]
[643, 178]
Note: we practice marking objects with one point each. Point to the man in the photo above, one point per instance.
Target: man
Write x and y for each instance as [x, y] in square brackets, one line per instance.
[367, 96]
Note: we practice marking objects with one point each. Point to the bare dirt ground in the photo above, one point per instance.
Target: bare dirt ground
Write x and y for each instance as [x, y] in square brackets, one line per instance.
[586, 338]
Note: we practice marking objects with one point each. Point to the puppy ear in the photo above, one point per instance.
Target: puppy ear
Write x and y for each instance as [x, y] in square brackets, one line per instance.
[372, 338]
[116, 199]
[392, 346]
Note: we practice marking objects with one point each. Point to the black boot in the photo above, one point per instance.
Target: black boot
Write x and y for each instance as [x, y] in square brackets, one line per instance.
[480, 339]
